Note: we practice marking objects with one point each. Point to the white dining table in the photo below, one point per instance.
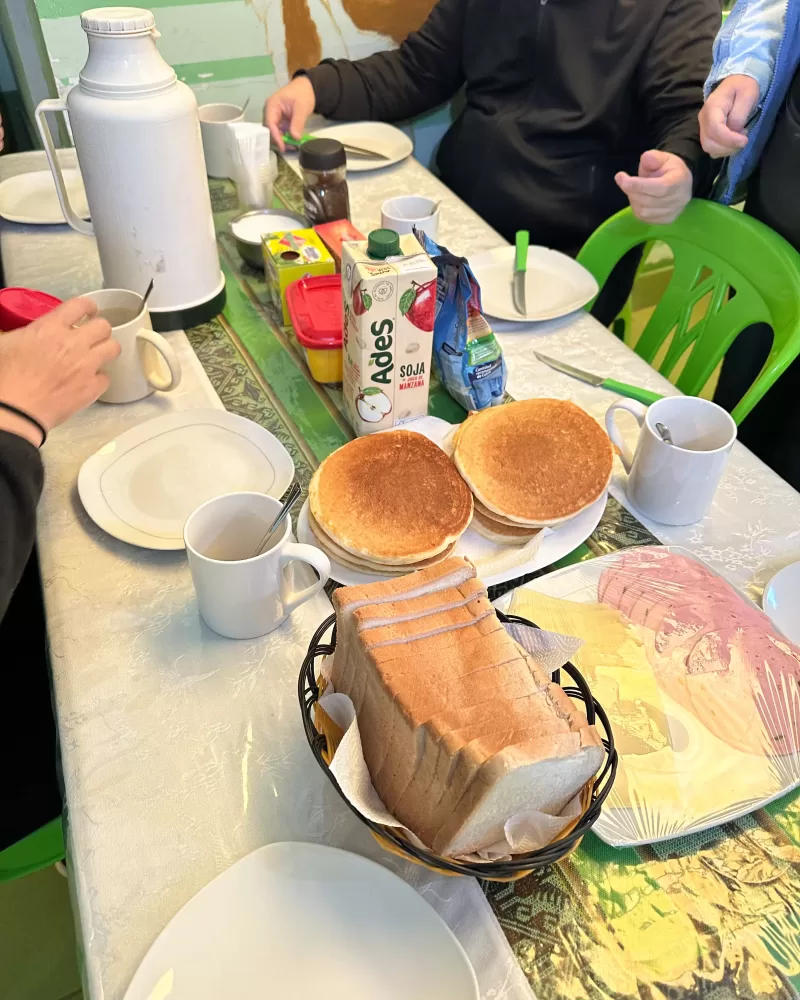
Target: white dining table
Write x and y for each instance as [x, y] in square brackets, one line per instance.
[182, 751]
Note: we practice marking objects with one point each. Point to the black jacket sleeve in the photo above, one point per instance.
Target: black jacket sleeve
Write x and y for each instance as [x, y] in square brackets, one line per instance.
[671, 83]
[21, 480]
[389, 86]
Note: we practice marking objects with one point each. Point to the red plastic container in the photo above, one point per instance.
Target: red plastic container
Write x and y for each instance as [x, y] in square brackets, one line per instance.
[20, 306]
[314, 305]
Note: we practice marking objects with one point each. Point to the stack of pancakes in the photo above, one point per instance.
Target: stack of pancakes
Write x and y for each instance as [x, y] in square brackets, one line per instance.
[531, 464]
[388, 503]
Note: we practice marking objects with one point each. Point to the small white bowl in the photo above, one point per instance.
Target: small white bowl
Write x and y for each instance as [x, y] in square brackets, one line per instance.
[781, 601]
[411, 211]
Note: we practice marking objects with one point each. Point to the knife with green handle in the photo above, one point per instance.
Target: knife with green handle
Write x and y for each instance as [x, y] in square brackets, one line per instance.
[366, 154]
[520, 268]
[621, 388]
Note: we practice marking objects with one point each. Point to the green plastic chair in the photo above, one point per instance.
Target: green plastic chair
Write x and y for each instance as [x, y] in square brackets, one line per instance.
[40, 849]
[753, 276]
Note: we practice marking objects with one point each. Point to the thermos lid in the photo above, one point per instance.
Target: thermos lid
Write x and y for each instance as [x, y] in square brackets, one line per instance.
[20, 306]
[383, 243]
[322, 154]
[117, 20]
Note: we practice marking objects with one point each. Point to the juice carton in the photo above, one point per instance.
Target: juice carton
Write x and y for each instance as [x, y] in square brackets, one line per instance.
[333, 234]
[289, 257]
[389, 291]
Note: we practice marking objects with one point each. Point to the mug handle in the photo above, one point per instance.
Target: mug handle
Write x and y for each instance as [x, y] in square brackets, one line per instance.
[631, 406]
[168, 354]
[308, 554]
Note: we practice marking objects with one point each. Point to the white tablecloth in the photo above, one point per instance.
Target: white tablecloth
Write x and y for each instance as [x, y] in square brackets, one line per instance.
[182, 751]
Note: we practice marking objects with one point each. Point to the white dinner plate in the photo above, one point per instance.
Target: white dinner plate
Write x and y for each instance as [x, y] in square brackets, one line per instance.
[377, 136]
[781, 601]
[142, 486]
[31, 199]
[555, 284]
[501, 562]
[305, 922]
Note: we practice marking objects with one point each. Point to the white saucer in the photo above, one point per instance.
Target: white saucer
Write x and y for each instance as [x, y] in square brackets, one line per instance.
[31, 199]
[142, 486]
[555, 284]
[781, 601]
[305, 922]
[376, 136]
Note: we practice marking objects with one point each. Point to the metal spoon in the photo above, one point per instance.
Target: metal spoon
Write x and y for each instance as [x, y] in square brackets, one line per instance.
[288, 503]
[147, 293]
[244, 106]
[663, 430]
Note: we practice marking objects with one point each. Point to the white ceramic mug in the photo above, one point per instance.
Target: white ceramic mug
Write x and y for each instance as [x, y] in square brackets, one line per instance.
[214, 121]
[241, 595]
[411, 211]
[674, 483]
[147, 361]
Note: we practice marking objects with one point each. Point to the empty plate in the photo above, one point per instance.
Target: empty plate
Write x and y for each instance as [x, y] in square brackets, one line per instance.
[781, 601]
[555, 284]
[31, 199]
[142, 486]
[378, 137]
[305, 922]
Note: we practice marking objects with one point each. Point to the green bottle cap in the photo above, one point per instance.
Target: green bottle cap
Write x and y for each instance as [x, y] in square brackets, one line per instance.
[383, 243]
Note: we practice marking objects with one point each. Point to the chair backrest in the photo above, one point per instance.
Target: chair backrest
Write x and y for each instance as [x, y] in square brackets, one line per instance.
[751, 274]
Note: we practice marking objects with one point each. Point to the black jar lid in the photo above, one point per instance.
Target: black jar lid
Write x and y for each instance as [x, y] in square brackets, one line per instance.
[322, 154]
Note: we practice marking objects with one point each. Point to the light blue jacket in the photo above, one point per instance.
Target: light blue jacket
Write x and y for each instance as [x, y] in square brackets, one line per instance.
[761, 39]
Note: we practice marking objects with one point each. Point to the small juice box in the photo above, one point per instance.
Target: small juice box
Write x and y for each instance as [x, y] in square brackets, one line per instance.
[289, 257]
[389, 291]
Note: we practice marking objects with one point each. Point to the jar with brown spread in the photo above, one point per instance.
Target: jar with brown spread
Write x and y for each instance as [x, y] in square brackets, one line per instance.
[325, 194]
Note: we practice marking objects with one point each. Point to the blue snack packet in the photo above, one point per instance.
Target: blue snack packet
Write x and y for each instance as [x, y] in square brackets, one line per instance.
[466, 354]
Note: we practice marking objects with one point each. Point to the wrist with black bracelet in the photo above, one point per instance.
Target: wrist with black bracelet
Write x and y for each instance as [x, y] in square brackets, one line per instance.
[19, 415]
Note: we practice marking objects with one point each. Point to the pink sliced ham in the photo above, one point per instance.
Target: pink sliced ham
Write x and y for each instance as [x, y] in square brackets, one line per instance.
[713, 652]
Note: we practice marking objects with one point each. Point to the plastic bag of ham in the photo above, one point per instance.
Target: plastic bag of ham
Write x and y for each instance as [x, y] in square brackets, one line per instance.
[702, 690]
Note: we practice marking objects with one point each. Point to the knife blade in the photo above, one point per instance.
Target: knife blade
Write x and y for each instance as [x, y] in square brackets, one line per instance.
[621, 388]
[366, 154]
[520, 268]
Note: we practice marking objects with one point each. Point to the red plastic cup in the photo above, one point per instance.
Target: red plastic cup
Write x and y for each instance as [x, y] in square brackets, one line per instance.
[20, 306]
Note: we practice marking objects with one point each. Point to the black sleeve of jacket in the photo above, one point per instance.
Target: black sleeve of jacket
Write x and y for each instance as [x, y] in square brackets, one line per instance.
[389, 86]
[21, 480]
[671, 83]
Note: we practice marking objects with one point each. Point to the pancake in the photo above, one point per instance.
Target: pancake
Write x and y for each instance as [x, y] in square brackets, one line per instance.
[393, 498]
[503, 534]
[333, 551]
[536, 462]
[497, 518]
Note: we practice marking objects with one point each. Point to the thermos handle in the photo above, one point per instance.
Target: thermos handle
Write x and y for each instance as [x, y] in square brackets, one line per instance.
[58, 104]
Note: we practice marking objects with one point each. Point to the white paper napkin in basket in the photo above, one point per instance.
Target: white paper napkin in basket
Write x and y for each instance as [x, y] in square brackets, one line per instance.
[526, 831]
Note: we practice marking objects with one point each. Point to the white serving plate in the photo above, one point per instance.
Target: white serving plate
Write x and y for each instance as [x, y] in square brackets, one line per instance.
[31, 199]
[303, 922]
[555, 284]
[142, 486]
[377, 136]
[781, 601]
[697, 781]
[501, 562]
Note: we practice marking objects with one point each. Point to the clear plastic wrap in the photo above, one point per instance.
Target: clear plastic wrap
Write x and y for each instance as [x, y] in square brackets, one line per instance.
[701, 688]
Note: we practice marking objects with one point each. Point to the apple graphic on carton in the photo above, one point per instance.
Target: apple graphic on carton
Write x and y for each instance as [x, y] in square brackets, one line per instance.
[373, 404]
[418, 305]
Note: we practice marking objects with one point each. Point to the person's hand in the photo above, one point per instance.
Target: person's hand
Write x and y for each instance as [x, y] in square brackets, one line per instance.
[725, 114]
[51, 368]
[662, 190]
[288, 110]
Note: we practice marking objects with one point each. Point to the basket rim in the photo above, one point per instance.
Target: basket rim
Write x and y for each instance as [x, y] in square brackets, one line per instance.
[309, 693]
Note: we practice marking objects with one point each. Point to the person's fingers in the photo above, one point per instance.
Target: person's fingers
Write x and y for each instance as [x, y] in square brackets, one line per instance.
[653, 162]
[648, 187]
[74, 311]
[298, 120]
[96, 331]
[720, 140]
[743, 103]
[273, 119]
[104, 351]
